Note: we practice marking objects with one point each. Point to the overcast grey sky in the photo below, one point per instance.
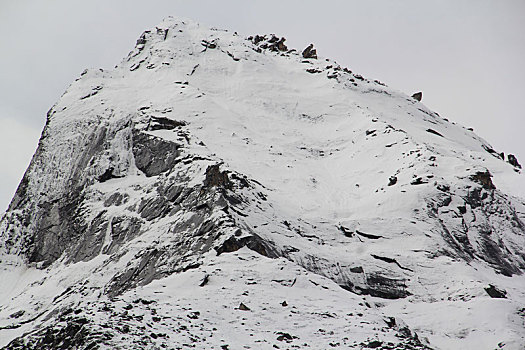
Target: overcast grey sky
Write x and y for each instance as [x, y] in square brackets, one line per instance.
[467, 56]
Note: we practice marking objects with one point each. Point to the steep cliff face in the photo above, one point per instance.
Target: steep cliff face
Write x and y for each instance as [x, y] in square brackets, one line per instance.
[230, 173]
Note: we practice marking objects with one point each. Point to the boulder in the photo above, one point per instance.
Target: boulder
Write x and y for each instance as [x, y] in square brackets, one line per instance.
[310, 52]
[513, 161]
[418, 96]
[392, 180]
[495, 292]
[243, 307]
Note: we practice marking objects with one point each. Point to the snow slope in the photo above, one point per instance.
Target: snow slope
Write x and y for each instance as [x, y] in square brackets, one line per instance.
[280, 178]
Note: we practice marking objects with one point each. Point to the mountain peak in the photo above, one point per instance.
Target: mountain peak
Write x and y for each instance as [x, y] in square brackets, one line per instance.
[237, 171]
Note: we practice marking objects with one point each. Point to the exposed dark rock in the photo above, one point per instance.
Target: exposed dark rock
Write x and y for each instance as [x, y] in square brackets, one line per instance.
[243, 307]
[253, 242]
[374, 344]
[475, 197]
[284, 337]
[123, 229]
[70, 333]
[135, 66]
[108, 175]
[390, 261]
[346, 231]
[493, 152]
[483, 178]
[418, 181]
[163, 32]
[153, 155]
[513, 161]
[273, 39]
[171, 192]
[116, 199]
[492, 253]
[404, 332]
[309, 52]
[209, 45]
[443, 187]
[190, 237]
[256, 39]
[57, 226]
[163, 123]
[87, 243]
[367, 235]
[495, 292]
[193, 315]
[432, 131]
[458, 241]
[313, 70]
[20, 196]
[385, 287]
[484, 237]
[206, 227]
[216, 178]
[153, 208]
[93, 92]
[418, 96]
[443, 200]
[141, 274]
[378, 285]
[17, 314]
[204, 280]
[390, 322]
[357, 269]
[277, 44]
[242, 182]
[142, 40]
[392, 180]
[232, 56]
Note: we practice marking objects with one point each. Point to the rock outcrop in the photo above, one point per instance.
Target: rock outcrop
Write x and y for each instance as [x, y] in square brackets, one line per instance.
[418, 96]
[309, 52]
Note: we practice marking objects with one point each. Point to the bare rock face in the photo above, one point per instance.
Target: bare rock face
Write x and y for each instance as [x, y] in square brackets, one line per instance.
[71, 333]
[153, 155]
[483, 178]
[216, 178]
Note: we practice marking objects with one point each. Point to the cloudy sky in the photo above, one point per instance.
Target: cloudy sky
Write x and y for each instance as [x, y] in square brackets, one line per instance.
[467, 56]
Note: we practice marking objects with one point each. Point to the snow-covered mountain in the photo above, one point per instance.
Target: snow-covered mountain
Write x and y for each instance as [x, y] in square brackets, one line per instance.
[220, 192]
